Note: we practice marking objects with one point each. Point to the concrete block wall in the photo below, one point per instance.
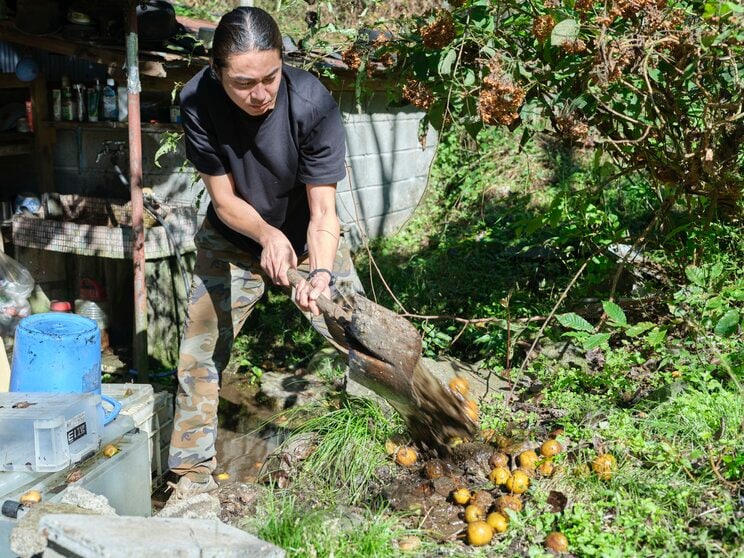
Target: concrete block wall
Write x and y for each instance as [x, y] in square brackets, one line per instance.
[387, 166]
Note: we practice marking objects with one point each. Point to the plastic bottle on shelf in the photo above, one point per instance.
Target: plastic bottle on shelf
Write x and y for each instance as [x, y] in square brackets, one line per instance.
[67, 104]
[109, 103]
[94, 102]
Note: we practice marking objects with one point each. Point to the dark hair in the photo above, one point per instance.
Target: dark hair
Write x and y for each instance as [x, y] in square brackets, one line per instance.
[242, 30]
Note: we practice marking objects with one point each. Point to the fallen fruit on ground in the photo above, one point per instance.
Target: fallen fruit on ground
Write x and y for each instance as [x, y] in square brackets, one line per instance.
[551, 448]
[459, 385]
[406, 456]
[604, 465]
[546, 468]
[518, 483]
[557, 542]
[528, 459]
[508, 502]
[391, 447]
[222, 476]
[480, 533]
[31, 497]
[498, 459]
[410, 543]
[461, 496]
[474, 512]
[499, 476]
[498, 522]
[434, 470]
[110, 450]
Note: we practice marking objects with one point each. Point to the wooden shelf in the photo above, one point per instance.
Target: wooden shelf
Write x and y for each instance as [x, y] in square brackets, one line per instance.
[15, 144]
[149, 127]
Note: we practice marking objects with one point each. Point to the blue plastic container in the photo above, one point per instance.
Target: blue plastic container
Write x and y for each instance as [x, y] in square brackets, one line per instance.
[58, 353]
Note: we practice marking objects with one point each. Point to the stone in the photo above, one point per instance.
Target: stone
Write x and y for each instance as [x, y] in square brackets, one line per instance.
[26, 539]
[204, 506]
[85, 499]
[283, 391]
[140, 537]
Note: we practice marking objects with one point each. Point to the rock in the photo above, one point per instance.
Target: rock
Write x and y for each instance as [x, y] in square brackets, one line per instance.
[200, 506]
[481, 380]
[84, 499]
[238, 500]
[26, 540]
[283, 391]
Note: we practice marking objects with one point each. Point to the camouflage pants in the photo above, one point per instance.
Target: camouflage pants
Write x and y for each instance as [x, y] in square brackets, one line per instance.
[226, 285]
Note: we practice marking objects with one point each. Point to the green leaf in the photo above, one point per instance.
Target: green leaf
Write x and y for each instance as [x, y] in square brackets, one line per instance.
[656, 337]
[638, 329]
[695, 275]
[728, 324]
[446, 63]
[615, 313]
[574, 321]
[596, 340]
[565, 31]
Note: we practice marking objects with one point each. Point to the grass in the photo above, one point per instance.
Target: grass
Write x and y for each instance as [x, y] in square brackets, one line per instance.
[499, 236]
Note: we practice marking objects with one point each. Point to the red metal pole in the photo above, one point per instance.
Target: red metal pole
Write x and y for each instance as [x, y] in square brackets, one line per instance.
[135, 188]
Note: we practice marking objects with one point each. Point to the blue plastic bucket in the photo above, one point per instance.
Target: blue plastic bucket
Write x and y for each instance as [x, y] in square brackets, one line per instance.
[59, 353]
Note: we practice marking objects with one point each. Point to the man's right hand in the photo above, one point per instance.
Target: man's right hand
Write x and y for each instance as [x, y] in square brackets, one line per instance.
[277, 256]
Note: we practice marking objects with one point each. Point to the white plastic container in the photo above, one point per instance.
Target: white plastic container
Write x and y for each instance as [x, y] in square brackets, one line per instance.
[46, 432]
[152, 413]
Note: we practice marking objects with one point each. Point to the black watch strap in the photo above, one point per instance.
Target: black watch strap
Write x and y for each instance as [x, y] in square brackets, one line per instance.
[314, 272]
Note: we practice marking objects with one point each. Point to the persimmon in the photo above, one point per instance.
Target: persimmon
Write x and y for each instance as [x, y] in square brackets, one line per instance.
[551, 448]
[406, 456]
[518, 483]
[461, 496]
[509, 502]
[528, 459]
[480, 533]
[474, 512]
[499, 475]
[498, 459]
[604, 466]
[557, 542]
[498, 522]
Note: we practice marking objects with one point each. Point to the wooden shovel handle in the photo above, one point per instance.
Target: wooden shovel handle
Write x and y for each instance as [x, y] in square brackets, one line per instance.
[326, 305]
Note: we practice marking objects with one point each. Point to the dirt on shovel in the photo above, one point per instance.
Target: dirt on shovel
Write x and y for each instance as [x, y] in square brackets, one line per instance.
[385, 356]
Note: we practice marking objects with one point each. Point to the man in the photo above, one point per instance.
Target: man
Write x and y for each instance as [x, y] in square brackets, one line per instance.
[268, 142]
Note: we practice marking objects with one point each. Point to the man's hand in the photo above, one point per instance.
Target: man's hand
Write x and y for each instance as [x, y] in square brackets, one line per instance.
[309, 291]
[277, 256]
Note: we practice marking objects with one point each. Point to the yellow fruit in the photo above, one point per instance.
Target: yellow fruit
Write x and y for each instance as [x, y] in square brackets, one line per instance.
[604, 466]
[528, 459]
[110, 450]
[31, 497]
[480, 533]
[459, 385]
[455, 441]
[498, 522]
[461, 496]
[222, 476]
[391, 447]
[546, 468]
[518, 483]
[471, 410]
[498, 459]
[406, 457]
[509, 502]
[551, 448]
[409, 544]
[557, 542]
[434, 470]
[473, 512]
[499, 476]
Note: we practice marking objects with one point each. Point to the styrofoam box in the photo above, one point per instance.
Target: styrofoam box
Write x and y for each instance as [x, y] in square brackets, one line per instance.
[46, 432]
[152, 413]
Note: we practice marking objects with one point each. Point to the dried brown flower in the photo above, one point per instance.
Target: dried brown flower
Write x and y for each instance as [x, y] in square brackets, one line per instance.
[542, 27]
[352, 57]
[440, 32]
[418, 94]
[499, 101]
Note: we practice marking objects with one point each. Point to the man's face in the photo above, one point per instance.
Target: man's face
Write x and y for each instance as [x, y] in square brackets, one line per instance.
[252, 79]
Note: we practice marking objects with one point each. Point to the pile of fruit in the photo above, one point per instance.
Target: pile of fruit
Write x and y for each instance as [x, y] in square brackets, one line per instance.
[485, 504]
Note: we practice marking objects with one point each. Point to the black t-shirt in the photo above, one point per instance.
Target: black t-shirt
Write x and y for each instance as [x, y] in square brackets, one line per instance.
[271, 157]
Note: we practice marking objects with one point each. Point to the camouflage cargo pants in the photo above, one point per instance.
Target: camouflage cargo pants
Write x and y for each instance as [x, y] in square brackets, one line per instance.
[227, 283]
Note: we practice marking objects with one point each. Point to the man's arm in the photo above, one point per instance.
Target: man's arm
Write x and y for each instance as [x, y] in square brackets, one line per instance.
[322, 242]
[277, 254]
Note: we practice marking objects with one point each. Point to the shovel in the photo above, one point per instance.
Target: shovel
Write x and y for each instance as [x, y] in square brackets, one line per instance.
[384, 352]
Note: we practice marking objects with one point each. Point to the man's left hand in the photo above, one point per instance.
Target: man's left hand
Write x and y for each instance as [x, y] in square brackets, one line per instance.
[309, 291]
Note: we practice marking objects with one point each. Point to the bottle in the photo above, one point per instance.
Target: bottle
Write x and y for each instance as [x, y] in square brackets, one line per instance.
[67, 103]
[108, 102]
[78, 95]
[94, 101]
[122, 95]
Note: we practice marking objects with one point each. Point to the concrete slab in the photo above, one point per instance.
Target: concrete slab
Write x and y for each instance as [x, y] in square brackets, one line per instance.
[140, 537]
